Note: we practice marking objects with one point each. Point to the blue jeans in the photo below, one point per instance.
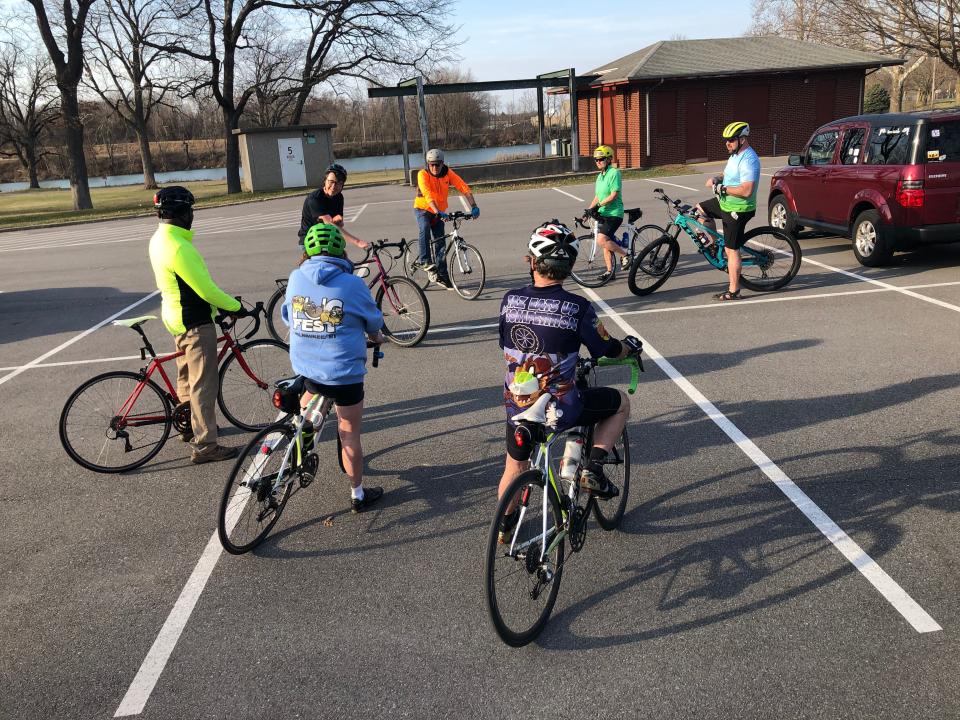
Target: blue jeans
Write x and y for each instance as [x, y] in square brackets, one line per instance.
[428, 223]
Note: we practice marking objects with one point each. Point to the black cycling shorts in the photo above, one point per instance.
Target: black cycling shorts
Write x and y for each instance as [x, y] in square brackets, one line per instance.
[342, 395]
[599, 403]
[733, 227]
[608, 226]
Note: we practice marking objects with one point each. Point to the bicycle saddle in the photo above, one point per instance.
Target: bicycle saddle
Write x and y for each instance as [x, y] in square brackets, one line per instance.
[633, 214]
[134, 322]
[541, 412]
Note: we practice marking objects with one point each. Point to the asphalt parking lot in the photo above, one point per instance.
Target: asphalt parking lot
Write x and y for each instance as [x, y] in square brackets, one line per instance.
[788, 548]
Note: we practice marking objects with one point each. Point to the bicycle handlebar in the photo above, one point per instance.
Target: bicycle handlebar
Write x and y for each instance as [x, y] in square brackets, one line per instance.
[227, 321]
[377, 353]
[677, 205]
[591, 213]
[585, 365]
[383, 244]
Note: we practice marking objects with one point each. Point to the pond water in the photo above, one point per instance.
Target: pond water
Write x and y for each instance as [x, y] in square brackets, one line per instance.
[358, 164]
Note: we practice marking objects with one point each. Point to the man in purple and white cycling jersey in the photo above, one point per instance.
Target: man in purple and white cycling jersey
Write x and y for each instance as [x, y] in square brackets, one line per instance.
[542, 327]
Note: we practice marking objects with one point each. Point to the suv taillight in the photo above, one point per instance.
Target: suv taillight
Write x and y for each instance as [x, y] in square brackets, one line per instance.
[910, 193]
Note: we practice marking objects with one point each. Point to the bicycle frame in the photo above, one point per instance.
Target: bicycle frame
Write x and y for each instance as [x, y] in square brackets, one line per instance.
[684, 220]
[381, 276]
[156, 365]
[326, 404]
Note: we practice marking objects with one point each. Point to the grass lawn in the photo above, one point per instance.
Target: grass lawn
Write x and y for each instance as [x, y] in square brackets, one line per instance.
[36, 208]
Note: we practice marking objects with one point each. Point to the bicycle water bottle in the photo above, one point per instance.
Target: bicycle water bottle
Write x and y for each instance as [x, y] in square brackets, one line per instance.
[571, 455]
[625, 240]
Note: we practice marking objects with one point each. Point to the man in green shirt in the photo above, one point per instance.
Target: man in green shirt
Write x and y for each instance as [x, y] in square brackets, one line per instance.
[190, 300]
[608, 201]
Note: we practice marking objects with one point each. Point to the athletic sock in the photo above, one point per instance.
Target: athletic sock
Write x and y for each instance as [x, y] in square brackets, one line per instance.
[357, 492]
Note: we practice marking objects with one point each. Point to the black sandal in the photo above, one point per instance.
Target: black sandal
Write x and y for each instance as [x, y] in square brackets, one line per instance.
[727, 295]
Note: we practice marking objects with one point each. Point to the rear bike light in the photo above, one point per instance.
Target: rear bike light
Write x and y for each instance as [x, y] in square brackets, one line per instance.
[277, 400]
[910, 193]
[518, 437]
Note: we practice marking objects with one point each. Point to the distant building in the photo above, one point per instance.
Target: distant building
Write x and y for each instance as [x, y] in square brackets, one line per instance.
[668, 102]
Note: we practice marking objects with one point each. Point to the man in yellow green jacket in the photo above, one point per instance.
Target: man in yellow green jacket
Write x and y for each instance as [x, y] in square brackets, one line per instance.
[190, 300]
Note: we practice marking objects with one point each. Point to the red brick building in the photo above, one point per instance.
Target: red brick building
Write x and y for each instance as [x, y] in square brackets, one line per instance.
[668, 102]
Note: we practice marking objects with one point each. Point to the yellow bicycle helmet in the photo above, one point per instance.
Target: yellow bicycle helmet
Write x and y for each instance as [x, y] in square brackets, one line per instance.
[604, 152]
[736, 129]
[324, 237]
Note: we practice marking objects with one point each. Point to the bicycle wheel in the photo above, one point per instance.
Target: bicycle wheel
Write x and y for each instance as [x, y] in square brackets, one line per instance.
[418, 275]
[246, 394]
[590, 267]
[521, 587]
[250, 507]
[645, 235]
[466, 270]
[406, 314]
[775, 259]
[654, 264]
[609, 513]
[277, 328]
[94, 435]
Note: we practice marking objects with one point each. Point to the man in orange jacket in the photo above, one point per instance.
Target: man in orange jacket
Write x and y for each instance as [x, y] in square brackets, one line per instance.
[430, 206]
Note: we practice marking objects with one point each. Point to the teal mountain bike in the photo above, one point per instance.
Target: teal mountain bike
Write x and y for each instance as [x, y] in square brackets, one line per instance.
[770, 258]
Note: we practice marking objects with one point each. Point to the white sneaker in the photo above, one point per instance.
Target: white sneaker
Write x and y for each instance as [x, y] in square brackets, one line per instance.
[624, 262]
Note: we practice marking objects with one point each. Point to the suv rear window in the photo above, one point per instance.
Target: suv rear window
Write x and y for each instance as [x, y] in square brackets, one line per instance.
[889, 145]
[943, 141]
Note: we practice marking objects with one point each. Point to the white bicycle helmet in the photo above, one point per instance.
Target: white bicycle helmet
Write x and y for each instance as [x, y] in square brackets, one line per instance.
[554, 244]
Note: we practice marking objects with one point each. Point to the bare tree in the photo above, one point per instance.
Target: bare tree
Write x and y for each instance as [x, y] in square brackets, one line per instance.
[28, 105]
[346, 37]
[808, 20]
[68, 70]
[125, 71]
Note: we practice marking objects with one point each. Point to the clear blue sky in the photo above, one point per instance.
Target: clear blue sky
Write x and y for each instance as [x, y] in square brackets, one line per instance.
[513, 39]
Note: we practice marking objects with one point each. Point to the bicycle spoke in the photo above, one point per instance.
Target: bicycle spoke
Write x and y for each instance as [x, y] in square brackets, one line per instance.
[247, 400]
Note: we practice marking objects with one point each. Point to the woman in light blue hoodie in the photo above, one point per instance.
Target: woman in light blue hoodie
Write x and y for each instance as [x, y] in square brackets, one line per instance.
[331, 314]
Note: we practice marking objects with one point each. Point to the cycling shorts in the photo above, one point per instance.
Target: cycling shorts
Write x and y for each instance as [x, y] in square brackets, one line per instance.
[732, 226]
[599, 403]
[342, 395]
[608, 226]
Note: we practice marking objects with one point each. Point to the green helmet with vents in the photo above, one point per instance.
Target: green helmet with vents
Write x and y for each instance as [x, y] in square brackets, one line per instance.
[324, 238]
[736, 129]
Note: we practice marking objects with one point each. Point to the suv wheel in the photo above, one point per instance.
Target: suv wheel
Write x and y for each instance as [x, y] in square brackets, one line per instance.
[781, 218]
[871, 244]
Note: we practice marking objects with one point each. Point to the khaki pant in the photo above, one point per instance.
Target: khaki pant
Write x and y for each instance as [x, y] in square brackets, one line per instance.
[197, 380]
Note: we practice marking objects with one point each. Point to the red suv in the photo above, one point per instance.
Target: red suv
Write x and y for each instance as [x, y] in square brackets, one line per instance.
[887, 181]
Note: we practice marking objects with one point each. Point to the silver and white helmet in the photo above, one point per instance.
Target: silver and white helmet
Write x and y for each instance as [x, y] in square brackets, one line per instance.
[434, 155]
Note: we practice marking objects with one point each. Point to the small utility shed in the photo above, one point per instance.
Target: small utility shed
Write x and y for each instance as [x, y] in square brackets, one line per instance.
[292, 156]
[668, 102]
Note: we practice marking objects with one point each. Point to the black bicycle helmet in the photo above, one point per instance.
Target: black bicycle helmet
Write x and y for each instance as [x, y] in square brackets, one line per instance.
[173, 200]
[339, 170]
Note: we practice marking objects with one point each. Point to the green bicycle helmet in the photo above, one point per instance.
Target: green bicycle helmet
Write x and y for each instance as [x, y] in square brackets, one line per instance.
[324, 238]
[736, 129]
[604, 152]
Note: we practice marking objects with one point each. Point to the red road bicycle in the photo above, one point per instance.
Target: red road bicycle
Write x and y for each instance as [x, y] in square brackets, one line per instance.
[117, 421]
[406, 312]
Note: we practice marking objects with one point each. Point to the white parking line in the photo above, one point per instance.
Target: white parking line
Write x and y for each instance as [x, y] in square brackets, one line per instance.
[74, 339]
[73, 362]
[911, 611]
[659, 181]
[564, 192]
[357, 213]
[156, 660]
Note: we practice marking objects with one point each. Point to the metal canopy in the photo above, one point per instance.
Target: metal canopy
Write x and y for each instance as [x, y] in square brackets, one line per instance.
[566, 79]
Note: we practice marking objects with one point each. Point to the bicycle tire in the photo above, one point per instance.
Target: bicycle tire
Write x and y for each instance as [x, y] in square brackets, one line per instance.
[406, 317]
[99, 429]
[590, 264]
[467, 274]
[276, 327]
[781, 250]
[245, 402]
[609, 513]
[653, 266]
[263, 453]
[515, 584]
[419, 275]
[643, 236]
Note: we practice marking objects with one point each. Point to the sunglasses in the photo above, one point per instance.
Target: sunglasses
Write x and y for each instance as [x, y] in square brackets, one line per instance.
[434, 164]
[600, 159]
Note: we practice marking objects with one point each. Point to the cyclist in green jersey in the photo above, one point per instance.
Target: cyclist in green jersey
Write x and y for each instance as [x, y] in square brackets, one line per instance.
[608, 201]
